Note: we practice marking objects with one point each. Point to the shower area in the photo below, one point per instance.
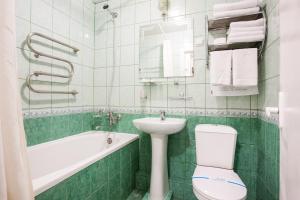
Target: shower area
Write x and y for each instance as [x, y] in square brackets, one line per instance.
[68, 57]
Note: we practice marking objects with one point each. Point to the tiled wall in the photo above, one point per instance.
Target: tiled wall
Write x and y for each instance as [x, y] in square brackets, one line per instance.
[70, 21]
[269, 67]
[112, 177]
[268, 133]
[125, 90]
[267, 161]
[44, 129]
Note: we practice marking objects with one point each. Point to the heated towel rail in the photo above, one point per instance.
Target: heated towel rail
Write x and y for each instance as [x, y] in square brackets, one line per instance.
[40, 73]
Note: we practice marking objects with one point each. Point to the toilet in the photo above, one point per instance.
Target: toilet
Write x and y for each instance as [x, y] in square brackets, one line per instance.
[214, 178]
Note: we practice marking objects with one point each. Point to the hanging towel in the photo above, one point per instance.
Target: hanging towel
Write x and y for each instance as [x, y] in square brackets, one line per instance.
[167, 58]
[244, 67]
[253, 38]
[220, 67]
[246, 29]
[237, 5]
[235, 13]
[253, 23]
[233, 91]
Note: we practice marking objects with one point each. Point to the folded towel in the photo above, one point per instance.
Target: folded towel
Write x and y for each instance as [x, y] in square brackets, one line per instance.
[244, 67]
[246, 29]
[259, 22]
[220, 41]
[252, 38]
[233, 91]
[220, 67]
[237, 5]
[235, 13]
[245, 34]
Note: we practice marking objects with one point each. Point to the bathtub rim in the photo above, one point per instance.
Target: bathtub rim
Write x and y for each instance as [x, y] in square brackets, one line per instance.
[43, 183]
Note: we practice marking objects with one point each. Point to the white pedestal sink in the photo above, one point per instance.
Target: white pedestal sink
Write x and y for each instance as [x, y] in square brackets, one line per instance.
[159, 131]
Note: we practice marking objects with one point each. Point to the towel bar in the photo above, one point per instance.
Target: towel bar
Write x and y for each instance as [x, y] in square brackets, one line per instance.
[37, 54]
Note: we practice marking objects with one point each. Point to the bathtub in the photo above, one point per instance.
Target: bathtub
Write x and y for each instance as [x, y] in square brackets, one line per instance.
[55, 161]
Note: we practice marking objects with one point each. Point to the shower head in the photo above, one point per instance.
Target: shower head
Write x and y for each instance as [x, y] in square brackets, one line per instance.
[113, 14]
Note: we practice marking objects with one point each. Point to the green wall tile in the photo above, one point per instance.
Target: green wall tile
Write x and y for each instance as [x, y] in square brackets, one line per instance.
[257, 154]
[44, 129]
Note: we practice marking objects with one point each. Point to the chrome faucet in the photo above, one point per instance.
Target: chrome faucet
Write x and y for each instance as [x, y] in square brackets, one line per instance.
[162, 115]
[113, 118]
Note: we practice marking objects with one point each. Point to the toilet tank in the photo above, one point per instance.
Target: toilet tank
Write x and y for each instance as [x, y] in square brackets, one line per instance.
[215, 145]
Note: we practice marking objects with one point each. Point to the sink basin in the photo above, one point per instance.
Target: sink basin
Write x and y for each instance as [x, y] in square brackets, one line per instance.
[159, 131]
[157, 126]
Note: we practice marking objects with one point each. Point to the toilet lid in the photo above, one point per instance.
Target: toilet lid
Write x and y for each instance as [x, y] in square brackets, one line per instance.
[218, 184]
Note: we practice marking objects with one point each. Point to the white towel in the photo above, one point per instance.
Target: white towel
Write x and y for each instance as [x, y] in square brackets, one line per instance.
[253, 23]
[246, 29]
[220, 67]
[244, 67]
[253, 38]
[233, 91]
[237, 5]
[235, 13]
[220, 41]
[245, 34]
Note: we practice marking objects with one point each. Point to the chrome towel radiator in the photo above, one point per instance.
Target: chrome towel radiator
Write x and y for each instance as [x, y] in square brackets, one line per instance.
[40, 73]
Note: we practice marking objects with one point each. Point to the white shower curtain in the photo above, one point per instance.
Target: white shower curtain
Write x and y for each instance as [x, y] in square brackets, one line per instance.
[15, 180]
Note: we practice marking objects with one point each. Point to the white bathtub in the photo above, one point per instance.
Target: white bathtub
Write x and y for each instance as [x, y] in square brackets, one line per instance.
[54, 161]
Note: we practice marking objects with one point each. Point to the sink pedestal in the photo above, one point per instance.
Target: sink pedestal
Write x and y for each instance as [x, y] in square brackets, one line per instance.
[159, 185]
[159, 131]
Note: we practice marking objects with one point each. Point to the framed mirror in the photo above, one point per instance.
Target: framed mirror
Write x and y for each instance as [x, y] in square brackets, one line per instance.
[166, 49]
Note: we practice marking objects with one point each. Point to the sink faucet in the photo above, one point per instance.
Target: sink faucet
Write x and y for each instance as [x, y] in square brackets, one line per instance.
[162, 115]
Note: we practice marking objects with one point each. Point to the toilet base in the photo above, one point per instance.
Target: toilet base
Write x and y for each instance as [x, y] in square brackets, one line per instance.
[199, 196]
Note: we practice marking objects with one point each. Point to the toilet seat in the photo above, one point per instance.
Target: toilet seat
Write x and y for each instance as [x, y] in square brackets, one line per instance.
[218, 184]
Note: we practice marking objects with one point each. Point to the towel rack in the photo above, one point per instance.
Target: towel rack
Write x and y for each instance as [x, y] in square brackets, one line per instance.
[224, 23]
[37, 54]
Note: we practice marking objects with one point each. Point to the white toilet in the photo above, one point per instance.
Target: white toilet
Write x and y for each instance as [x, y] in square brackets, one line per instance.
[214, 178]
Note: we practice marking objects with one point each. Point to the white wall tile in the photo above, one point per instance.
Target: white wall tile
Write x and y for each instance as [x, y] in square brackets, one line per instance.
[61, 23]
[63, 6]
[113, 76]
[127, 96]
[127, 15]
[100, 77]
[127, 55]
[100, 96]
[22, 30]
[142, 12]
[113, 96]
[127, 75]
[44, 18]
[23, 9]
[127, 35]
[159, 96]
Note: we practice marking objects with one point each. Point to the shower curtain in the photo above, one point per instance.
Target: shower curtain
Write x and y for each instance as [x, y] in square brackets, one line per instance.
[15, 180]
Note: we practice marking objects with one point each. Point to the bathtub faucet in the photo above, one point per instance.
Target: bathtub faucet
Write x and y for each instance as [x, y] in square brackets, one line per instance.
[113, 118]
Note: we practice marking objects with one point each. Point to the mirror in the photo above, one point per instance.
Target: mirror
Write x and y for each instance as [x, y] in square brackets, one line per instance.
[166, 49]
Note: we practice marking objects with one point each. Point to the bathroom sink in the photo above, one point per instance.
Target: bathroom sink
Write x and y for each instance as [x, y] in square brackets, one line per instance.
[153, 125]
[159, 131]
